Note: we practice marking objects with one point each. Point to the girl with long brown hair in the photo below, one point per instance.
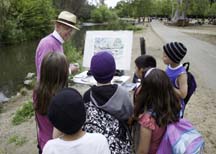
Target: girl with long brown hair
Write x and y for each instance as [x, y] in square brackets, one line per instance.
[156, 106]
[53, 77]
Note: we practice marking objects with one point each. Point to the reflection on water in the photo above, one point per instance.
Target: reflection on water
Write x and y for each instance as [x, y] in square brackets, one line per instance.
[17, 60]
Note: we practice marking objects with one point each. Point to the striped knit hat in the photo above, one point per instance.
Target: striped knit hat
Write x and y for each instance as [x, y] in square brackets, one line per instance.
[175, 51]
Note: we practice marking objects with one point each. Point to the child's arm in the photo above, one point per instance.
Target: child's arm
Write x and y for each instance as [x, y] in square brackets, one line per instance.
[183, 86]
[144, 142]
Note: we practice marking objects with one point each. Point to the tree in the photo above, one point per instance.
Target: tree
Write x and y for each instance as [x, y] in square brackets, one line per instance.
[4, 6]
[212, 10]
[212, 1]
[200, 7]
[191, 7]
[122, 9]
[103, 14]
[178, 10]
[142, 8]
[85, 12]
[69, 5]
[26, 19]
[166, 8]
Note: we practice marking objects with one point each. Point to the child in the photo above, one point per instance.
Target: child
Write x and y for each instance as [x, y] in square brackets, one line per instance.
[67, 114]
[173, 53]
[108, 105]
[141, 63]
[53, 77]
[157, 106]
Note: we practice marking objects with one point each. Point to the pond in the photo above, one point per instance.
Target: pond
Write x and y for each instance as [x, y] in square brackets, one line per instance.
[17, 60]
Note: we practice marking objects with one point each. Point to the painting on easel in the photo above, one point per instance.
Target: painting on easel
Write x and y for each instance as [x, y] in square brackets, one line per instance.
[119, 43]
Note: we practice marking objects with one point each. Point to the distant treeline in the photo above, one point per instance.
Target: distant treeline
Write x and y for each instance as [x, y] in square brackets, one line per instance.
[22, 20]
[167, 8]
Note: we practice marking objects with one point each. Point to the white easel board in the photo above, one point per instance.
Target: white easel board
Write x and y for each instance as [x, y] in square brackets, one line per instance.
[119, 43]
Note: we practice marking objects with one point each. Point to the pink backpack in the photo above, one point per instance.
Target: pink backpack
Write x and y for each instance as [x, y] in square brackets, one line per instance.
[181, 138]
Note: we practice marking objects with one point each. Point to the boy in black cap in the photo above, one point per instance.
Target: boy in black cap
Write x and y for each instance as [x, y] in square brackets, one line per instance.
[173, 54]
[67, 114]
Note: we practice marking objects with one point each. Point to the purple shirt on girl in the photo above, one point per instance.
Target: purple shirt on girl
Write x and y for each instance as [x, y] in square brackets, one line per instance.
[44, 127]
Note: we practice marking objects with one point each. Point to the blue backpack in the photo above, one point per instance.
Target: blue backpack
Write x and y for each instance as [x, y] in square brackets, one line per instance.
[181, 138]
[191, 82]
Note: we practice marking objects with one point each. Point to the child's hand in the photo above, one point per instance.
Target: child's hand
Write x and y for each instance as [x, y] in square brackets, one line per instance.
[73, 68]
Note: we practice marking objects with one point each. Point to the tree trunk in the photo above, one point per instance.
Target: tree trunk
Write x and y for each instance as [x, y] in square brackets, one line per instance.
[184, 15]
[179, 17]
[172, 10]
[177, 12]
[180, 14]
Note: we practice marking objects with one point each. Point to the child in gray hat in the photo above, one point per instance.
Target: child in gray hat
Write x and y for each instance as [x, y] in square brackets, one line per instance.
[67, 114]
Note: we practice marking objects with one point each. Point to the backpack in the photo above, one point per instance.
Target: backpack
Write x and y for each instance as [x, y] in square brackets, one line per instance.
[181, 138]
[191, 82]
[116, 131]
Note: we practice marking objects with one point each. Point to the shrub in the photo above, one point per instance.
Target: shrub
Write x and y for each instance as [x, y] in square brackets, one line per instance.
[120, 25]
[133, 28]
[23, 91]
[17, 140]
[73, 54]
[26, 20]
[24, 113]
[103, 14]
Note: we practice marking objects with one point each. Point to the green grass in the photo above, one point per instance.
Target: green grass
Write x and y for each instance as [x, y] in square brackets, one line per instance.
[2, 151]
[24, 113]
[133, 28]
[17, 140]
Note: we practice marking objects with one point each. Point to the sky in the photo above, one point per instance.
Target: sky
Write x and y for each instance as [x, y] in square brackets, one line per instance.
[109, 3]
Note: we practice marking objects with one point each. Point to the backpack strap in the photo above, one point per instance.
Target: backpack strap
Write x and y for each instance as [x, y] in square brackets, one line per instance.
[186, 65]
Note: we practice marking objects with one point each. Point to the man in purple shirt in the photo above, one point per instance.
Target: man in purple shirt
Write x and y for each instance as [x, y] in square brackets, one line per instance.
[64, 27]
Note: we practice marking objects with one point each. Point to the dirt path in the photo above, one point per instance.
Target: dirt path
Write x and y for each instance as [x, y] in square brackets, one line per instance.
[201, 54]
[200, 110]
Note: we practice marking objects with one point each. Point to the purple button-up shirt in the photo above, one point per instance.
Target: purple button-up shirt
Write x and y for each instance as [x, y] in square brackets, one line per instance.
[50, 43]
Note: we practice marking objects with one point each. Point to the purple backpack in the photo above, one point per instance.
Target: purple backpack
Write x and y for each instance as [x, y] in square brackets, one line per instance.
[192, 85]
[181, 138]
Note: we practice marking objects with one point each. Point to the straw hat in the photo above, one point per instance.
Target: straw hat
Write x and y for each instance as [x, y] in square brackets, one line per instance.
[68, 19]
